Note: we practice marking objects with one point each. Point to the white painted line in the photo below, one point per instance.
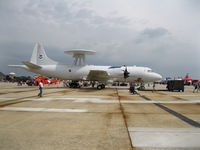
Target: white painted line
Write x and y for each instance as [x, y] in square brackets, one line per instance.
[98, 100]
[165, 137]
[49, 99]
[6, 98]
[154, 95]
[41, 109]
[40, 99]
[136, 102]
[84, 96]
[80, 100]
[179, 102]
[84, 100]
[161, 102]
[130, 95]
[185, 95]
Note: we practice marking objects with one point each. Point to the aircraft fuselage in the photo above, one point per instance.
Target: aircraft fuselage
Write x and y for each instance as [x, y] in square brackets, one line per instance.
[71, 72]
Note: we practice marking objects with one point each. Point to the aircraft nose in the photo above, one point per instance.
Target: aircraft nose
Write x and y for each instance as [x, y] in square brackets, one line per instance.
[157, 76]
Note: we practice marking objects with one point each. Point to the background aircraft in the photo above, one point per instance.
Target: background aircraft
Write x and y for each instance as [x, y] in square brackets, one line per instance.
[77, 71]
[188, 80]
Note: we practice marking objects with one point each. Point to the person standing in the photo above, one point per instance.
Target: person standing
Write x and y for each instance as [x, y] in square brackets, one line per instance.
[154, 86]
[196, 86]
[40, 85]
[132, 88]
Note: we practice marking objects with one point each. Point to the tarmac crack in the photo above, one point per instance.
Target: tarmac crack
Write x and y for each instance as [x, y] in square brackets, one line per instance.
[174, 113]
[124, 117]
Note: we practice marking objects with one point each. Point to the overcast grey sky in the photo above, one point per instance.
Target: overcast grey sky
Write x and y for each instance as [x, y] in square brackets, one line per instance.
[161, 34]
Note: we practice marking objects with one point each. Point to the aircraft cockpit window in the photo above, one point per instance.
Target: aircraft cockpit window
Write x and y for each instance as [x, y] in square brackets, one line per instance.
[149, 70]
[114, 67]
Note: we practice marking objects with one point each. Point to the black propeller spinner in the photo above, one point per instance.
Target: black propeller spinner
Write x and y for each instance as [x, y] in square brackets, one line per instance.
[126, 73]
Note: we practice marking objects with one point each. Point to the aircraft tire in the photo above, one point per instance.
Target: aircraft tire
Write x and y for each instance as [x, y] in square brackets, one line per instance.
[99, 87]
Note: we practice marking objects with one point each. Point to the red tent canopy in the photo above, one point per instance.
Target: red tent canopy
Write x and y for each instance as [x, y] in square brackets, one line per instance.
[187, 78]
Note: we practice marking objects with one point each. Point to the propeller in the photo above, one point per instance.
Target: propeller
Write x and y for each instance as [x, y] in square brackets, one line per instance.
[126, 73]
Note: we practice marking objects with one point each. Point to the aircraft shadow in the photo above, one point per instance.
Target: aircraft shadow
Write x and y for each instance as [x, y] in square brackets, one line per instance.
[152, 90]
[94, 89]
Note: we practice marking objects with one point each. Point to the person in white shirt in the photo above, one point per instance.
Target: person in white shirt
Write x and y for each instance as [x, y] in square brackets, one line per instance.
[40, 85]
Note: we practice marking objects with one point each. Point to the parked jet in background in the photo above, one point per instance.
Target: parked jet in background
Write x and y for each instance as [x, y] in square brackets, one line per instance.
[188, 80]
[77, 71]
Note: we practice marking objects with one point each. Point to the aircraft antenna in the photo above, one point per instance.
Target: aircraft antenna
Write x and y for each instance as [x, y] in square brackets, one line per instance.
[79, 55]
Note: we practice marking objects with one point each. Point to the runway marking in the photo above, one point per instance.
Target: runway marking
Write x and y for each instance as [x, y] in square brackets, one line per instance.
[185, 95]
[175, 95]
[98, 100]
[78, 100]
[85, 96]
[129, 95]
[95, 101]
[41, 109]
[176, 114]
[161, 102]
[6, 98]
[165, 137]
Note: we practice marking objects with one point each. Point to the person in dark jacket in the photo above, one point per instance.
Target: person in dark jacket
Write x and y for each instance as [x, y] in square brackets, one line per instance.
[196, 86]
[132, 88]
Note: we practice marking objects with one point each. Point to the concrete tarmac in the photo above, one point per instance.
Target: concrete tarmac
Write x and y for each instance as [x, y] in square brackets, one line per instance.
[109, 119]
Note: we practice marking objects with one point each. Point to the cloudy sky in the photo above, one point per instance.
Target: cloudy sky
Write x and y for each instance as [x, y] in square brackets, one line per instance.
[161, 34]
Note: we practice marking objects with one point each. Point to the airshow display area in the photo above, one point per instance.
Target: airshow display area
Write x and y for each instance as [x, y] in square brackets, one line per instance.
[99, 75]
[131, 108]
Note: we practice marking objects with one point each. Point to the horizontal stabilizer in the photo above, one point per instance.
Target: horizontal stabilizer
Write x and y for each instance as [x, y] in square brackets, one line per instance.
[97, 75]
[31, 65]
[17, 66]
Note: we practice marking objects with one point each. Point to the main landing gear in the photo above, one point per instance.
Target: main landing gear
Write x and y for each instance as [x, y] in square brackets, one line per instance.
[101, 86]
[74, 84]
[142, 87]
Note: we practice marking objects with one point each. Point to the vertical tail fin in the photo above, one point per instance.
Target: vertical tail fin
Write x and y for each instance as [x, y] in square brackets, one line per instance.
[39, 56]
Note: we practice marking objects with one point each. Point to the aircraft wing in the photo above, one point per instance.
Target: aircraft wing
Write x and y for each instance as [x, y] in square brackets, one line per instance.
[97, 75]
[31, 65]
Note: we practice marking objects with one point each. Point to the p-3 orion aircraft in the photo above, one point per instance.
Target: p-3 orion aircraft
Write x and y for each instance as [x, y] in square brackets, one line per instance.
[80, 71]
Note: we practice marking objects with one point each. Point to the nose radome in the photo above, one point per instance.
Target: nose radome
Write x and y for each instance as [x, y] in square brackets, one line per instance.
[158, 76]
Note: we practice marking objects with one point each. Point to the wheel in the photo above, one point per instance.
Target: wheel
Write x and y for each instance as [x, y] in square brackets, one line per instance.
[99, 87]
[103, 86]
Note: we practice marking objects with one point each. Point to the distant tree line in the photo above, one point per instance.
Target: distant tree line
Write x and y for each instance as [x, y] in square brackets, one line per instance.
[2, 76]
[14, 79]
